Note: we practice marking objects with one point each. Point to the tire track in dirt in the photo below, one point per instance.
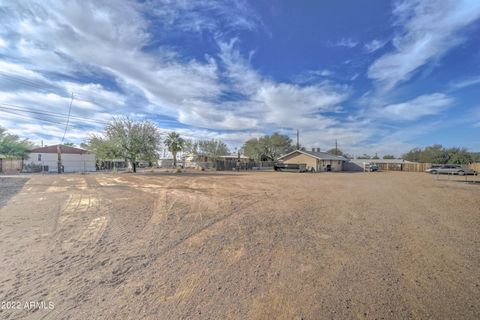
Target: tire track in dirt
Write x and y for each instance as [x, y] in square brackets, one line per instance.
[265, 246]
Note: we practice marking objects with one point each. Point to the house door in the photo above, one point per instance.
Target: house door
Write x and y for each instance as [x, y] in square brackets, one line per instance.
[328, 167]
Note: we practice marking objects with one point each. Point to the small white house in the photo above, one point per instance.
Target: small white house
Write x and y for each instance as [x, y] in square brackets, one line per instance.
[72, 159]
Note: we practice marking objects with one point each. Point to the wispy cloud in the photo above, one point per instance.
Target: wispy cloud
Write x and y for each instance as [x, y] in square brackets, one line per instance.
[343, 42]
[424, 105]
[313, 75]
[107, 42]
[197, 16]
[427, 29]
[374, 45]
[117, 58]
[467, 82]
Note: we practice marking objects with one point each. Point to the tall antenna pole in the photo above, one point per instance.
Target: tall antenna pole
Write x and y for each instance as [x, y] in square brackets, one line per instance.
[336, 147]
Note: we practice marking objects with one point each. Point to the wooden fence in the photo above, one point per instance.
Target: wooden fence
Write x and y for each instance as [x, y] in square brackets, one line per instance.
[417, 167]
[228, 165]
[11, 165]
[475, 166]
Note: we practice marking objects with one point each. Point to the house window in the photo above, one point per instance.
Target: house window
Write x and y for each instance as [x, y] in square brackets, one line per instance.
[39, 157]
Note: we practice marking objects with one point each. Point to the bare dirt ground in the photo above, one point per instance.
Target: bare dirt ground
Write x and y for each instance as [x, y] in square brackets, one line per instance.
[240, 246]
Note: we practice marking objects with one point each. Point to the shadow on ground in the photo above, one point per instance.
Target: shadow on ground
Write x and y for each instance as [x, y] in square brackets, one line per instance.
[10, 187]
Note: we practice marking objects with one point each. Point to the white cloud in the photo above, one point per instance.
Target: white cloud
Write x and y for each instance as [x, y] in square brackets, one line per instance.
[292, 106]
[425, 105]
[323, 73]
[197, 16]
[18, 70]
[428, 29]
[108, 40]
[467, 82]
[130, 71]
[281, 105]
[343, 42]
[313, 76]
[30, 127]
[74, 37]
[374, 45]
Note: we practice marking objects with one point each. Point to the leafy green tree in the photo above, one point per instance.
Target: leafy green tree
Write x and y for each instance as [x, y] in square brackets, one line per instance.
[102, 147]
[213, 149]
[388, 156]
[336, 152]
[413, 155]
[190, 146]
[174, 144]
[69, 144]
[439, 155]
[127, 139]
[268, 148]
[435, 154]
[13, 146]
[376, 157]
[459, 156]
[252, 149]
[475, 156]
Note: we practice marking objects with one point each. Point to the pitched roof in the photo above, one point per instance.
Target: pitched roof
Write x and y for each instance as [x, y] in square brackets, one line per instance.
[63, 149]
[319, 155]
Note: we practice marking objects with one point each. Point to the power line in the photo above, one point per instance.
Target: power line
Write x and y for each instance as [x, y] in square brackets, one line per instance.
[42, 85]
[14, 109]
[27, 117]
[47, 113]
[16, 112]
[11, 112]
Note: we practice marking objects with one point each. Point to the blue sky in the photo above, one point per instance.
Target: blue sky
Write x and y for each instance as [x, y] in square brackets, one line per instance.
[378, 76]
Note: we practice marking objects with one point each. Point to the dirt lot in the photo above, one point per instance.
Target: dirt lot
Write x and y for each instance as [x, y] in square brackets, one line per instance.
[240, 246]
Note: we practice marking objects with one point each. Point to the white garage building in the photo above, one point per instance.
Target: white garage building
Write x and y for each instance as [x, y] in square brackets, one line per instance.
[73, 159]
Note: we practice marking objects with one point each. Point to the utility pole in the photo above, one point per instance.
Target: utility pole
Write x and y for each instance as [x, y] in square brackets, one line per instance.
[59, 159]
[298, 140]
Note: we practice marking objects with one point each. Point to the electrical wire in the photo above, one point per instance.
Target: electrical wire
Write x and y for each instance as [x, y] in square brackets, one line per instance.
[27, 117]
[16, 113]
[42, 85]
[47, 113]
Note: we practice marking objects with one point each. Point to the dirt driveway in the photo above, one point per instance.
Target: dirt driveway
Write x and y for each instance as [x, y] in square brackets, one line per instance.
[240, 246]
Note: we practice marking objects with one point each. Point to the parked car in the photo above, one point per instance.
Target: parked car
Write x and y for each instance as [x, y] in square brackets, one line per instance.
[450, 169]
[371, 167]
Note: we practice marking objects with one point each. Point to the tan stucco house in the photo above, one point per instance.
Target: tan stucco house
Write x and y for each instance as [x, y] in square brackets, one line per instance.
[315, 160]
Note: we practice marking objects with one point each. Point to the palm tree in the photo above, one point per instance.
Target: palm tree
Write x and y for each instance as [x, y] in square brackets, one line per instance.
[174, 143]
